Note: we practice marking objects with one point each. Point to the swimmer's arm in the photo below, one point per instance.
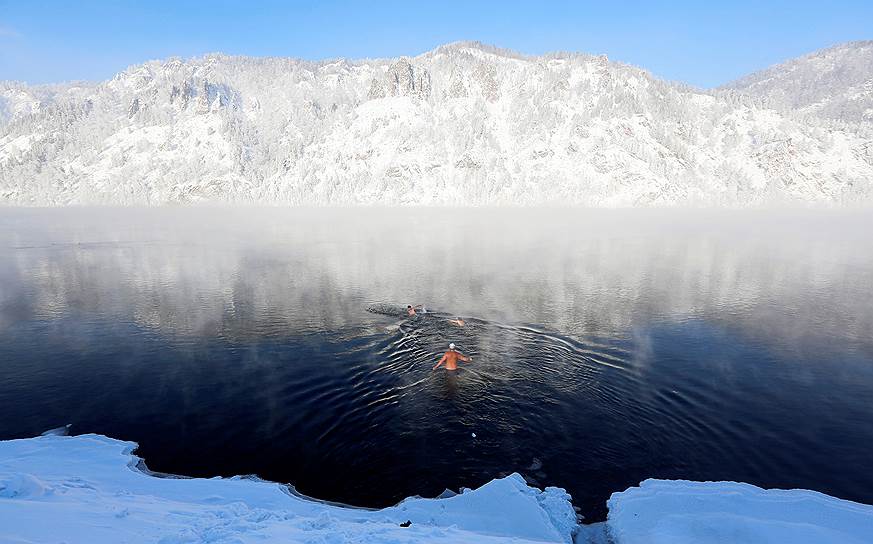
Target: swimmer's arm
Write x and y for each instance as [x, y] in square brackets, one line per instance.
[465, 358]
[443, 360]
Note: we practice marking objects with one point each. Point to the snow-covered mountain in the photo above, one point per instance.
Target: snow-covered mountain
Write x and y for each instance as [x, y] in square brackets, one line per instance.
[834, 83]
[464, 124]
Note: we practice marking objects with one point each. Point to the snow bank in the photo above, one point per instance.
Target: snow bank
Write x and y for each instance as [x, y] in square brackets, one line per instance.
[679, 512]
[88, 489]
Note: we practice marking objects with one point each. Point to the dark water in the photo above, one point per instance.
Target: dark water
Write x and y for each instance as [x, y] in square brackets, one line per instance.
[608, 347]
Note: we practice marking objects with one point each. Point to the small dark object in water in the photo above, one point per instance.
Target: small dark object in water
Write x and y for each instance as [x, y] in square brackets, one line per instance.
[392, 310]
[406, 523]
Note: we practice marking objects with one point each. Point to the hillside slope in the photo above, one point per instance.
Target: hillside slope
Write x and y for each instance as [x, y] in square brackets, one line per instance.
[834, 83]
[464, 124]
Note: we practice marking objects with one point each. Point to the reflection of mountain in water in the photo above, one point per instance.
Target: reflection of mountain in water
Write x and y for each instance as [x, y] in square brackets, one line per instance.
[238, 273]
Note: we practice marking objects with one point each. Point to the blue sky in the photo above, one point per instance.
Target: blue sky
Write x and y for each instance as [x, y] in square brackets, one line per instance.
[702, 43]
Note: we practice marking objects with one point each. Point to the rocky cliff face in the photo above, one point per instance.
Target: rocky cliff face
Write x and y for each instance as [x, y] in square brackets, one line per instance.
[464, 124]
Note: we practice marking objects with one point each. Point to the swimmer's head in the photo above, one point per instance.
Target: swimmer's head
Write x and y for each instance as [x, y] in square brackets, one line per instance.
[408, 307]
[452, 346]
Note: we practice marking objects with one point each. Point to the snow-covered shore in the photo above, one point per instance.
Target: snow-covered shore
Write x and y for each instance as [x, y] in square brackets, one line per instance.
[678, 512]
[88, 489]
[92, 489]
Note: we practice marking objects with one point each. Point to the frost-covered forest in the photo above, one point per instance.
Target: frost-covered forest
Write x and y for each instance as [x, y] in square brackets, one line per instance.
[835, 83]
[464, 124]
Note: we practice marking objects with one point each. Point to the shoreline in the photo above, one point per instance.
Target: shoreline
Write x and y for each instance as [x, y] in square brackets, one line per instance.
[100, 491]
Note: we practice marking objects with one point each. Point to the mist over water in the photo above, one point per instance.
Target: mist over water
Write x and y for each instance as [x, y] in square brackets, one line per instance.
[608, 346]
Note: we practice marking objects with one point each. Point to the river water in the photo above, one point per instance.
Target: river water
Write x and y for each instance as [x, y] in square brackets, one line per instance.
[608, 346]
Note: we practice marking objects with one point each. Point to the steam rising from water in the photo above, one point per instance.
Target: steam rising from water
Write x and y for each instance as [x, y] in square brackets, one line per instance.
[608, 346]
[211, 272]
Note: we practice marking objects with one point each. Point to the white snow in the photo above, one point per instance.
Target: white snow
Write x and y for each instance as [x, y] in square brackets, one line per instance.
[12, 148]
[464, 124]
[834, 83]
[680, 512]
[92, 489]
[87, 489]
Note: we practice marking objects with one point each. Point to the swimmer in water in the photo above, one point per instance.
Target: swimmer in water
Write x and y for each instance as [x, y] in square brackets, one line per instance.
[451, 358]
[457, 322]
[410, 310]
